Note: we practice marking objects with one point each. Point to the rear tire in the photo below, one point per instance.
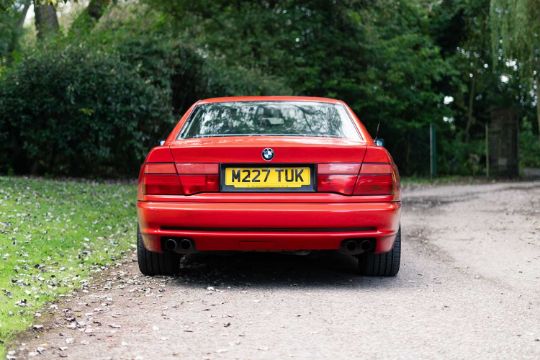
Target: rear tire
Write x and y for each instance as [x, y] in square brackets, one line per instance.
[386, 264]
[151, 263]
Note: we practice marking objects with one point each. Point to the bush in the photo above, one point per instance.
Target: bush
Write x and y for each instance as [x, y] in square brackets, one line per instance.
[463, 158]
[79, 112]
[529, 146]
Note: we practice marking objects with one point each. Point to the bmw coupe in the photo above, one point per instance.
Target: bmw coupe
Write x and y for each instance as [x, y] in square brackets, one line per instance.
[269, 174]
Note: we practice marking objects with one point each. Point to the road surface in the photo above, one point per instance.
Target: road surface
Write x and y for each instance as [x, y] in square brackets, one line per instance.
[469, 287]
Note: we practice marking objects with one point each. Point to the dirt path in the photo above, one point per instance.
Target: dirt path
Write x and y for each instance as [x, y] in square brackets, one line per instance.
[469, 288]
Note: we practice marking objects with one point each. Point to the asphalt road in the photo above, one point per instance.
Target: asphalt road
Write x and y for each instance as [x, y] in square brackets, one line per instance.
[469, 287]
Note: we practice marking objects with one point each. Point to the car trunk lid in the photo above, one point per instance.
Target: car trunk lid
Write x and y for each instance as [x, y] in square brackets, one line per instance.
[243, 149]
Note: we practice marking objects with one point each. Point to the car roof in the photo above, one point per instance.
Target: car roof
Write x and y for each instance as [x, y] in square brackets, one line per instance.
[269, 98]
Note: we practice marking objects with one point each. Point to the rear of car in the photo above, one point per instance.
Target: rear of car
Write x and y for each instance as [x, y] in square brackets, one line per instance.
[269, 174]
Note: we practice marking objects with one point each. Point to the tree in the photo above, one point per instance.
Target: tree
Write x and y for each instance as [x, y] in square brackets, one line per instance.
[377, 56]
[461, 29]
[45, 19]
[516, 36]
[90, 16]
[12, 15]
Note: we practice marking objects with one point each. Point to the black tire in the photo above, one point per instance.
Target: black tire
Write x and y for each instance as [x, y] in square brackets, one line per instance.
[386, 264]
[151, 263]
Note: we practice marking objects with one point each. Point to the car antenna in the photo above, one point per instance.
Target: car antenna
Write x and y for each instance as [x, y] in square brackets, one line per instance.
[377, 141]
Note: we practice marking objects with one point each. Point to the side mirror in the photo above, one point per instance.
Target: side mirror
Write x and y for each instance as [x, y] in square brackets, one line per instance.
[379, 142]
[161, 142]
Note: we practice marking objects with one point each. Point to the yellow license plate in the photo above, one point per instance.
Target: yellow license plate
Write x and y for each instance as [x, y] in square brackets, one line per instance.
[267, 177]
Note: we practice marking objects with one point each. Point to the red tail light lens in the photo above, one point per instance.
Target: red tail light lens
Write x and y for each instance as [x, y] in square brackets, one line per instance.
[341, 184]
[160, 179]
[341, 169]
[375, 179]
[374, 185]
[197, 178]
[193, 184]
[337, 178]
[179, 179]
[162, 184]
[197, 169]
[160, 168]
[357, 179]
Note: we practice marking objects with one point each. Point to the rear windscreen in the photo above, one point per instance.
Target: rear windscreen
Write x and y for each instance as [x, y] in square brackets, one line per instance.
[276, 118]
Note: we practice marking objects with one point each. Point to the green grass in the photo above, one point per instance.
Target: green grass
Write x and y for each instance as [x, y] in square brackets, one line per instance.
[53, 236]
[444, 180]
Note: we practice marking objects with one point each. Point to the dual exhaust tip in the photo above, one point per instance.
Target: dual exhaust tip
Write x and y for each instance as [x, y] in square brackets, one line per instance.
[357, 246]
[351, 247]
[179, 245]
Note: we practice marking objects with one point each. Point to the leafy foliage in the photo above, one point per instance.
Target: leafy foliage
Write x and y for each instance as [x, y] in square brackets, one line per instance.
[78, 112]
[402, 89]
[516, 37]
[95, 107]
[175, 65]
[378, 57]
[11, 16]
[529, 146]
[394, 62]
[516, 32]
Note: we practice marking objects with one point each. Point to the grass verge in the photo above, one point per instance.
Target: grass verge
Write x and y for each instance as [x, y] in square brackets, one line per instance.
[445, 180]
[53, 235]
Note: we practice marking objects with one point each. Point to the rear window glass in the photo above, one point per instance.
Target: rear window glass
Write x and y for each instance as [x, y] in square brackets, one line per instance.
[271, 119]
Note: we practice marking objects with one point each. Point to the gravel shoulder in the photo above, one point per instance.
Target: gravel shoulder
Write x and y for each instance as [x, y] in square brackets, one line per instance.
[468, 288]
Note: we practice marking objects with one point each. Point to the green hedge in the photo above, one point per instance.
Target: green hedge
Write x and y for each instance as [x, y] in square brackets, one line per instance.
[73, 111]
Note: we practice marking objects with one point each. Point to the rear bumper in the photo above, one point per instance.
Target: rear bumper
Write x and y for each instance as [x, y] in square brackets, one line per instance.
[268, 226]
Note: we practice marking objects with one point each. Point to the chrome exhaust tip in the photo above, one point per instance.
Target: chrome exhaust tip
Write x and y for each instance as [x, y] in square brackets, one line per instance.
[357, 246]
[186, 244]
[171, 244]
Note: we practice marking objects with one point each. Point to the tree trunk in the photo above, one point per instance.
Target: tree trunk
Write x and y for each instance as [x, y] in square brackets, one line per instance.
[470, 110]
[96, 8]
[46, 20]
[22, 17]
[90, 16]
[20, 23]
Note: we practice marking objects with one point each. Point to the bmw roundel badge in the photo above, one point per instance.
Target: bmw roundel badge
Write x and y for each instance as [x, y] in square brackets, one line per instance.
[268, 154]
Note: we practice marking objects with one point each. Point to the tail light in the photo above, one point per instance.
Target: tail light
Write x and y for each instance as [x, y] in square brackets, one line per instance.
[197, 178]
[338, 178]
[375, 179]
[160, 179]
[358, 179]
[179, 179]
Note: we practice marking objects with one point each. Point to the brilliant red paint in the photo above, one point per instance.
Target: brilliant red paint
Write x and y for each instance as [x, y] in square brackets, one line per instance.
[358, 192]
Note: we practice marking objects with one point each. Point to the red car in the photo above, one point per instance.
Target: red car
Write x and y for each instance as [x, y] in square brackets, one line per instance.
[269, 174]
